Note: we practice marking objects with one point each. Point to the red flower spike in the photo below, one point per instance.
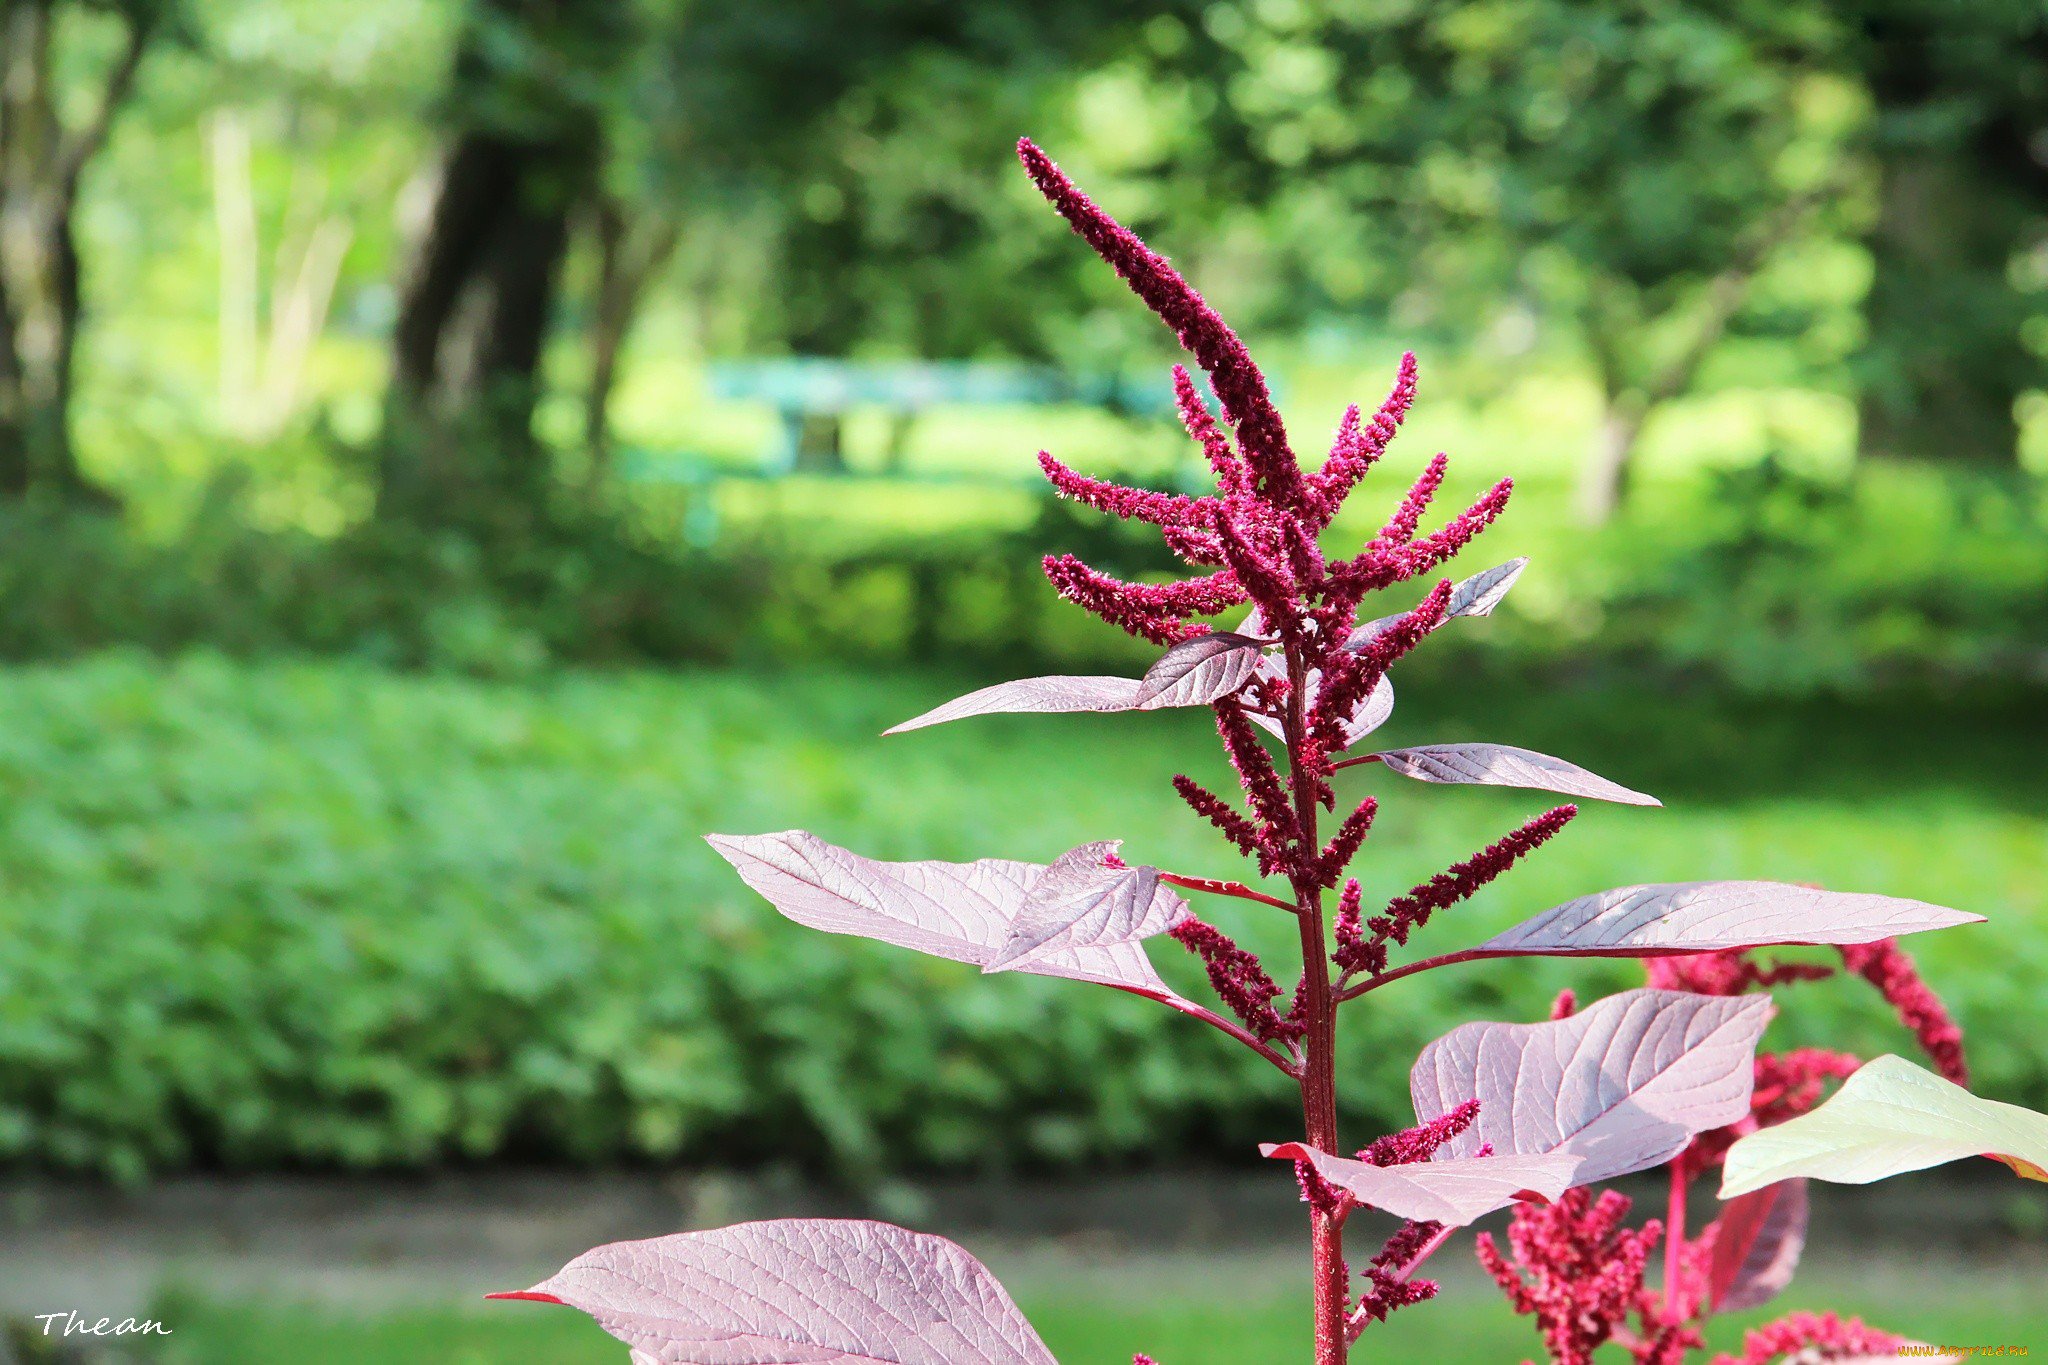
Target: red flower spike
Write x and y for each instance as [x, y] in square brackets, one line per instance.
[1575, 1269]
[1439, 546]
[1729, 972]
[1400, 528]
[1265, 578]
[1231, 476]
[1350, 928]
[1154, 612]
[1125, 504]
[1350, 676]
[1343, 845]
[1565, 1005]
[1390, 1287]
[1356, 450]
[1420, 1142]
[1255, 771]
[1261, 437]
[1240, 980]
[1885, 966]
[1374, 568]
[1318, 1193]
[1217, 812]
[1304, 556]
[1405, 914]
[1825, 1334]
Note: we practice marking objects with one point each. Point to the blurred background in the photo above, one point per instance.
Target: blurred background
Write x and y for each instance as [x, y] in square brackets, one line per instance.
[456, 453]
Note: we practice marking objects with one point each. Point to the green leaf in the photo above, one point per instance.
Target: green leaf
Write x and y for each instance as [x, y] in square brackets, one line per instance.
[1890, 1117]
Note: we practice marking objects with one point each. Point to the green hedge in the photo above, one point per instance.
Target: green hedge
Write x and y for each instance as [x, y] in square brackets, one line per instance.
[1757, 579]
[316, 914]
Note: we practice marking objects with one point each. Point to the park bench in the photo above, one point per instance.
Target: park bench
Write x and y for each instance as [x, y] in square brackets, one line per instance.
[812, 396]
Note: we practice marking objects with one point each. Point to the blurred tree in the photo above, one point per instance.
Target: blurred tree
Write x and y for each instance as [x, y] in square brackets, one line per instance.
[524, 109]
[1960, 141]
[859, 153]
[650, 122]
[43, 158]
[1630, 169]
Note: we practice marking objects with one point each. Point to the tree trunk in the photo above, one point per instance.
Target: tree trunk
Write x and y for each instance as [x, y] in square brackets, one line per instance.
[39, 271]
[631, 252]
[1605, 484]
[474, 313]
[1944, 364]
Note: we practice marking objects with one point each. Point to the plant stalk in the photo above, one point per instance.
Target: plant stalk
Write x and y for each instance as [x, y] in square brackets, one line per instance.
[1674, 1242]
[1319, 1043]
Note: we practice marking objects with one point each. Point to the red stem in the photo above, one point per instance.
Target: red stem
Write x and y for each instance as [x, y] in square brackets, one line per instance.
[1354, 762]
[1319, 1008]
[1287, 1065]
[1674, 1242]
[1223, 888]
[1373, 983]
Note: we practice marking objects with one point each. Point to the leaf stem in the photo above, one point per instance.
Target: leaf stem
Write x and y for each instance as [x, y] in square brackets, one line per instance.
[1674, 1240]
[1289, 1066]
[1222, 888]
[1354, 762]
[1373, 983]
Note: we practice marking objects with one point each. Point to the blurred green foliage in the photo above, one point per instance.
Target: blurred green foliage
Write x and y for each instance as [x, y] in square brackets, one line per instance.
[319, 915]
[1766, 578]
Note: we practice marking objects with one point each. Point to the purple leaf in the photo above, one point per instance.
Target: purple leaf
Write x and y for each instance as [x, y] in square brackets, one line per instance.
[1057, 693]
[1192, 673]
[1624, 1083]
[1453, 1190]
[797, 1291]
[1202, 670]
[1371, 714]
[1698, 917]
[1482, 592]
[962, 911]
[1077, 902]
[1475, 596]
[1502, 765]
[1757, 1241]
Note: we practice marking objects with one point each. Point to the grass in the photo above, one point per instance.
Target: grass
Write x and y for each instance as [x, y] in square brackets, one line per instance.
[1469, 1325]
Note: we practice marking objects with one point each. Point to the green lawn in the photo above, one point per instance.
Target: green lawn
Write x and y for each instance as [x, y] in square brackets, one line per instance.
[1469, 1325]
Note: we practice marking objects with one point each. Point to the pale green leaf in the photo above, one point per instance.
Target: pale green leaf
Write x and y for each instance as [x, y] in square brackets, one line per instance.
[1888, 1118]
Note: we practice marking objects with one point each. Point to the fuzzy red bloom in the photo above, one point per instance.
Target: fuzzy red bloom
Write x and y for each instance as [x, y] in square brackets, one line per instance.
[1343, 845]
[1420, 1143]
[1262, 439]
[1575, 1269]
[1231, 475]
[1885, 966]
[1239, 979]
[1388, 1283]
[1357, 449]
[1218, 812]
[1151, 611]
[1812, 1336]
[1405, 914]
[1730, 972]
[1127, 504]
[1400, 528]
